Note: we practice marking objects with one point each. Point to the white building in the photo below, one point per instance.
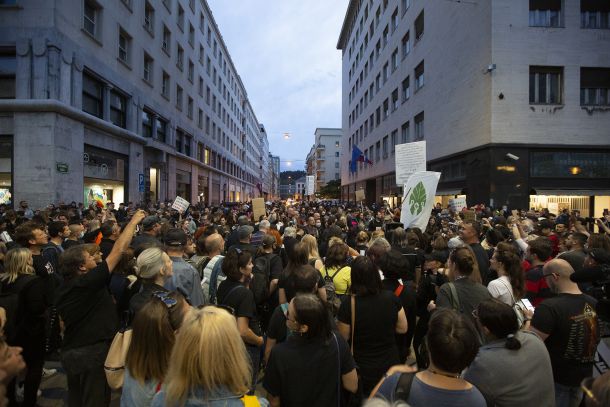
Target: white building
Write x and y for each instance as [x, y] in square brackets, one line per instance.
[126, 100]
[323, 160]
[484, 83]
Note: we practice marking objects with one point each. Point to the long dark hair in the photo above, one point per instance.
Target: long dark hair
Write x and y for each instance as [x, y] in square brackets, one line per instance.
[365, 277]
[235, 259]
[311, 311]
[501, 321]
[507, 256]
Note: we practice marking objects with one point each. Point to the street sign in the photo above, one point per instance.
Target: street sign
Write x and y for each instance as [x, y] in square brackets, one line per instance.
[141, 182]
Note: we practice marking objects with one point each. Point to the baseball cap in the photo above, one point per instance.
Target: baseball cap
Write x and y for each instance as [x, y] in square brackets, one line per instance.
[150, 221]
[600, 256]
[175, 237]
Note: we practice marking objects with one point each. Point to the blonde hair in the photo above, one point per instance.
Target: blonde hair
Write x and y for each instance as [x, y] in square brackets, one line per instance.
[312, 246]
[16, 262]
[376, 235]
[216, 358]
[334, 240]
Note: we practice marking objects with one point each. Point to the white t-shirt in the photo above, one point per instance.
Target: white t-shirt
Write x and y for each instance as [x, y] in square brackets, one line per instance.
[501, 289]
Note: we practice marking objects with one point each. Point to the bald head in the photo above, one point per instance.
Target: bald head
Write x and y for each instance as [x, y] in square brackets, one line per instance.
[214, 244]
[559, 267]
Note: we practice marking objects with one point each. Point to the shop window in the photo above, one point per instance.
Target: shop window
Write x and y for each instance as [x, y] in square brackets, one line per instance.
[6, 157]
[594, 14]
[570, 164]
[594, 86]
[8, 69]
[147, 121]
[419, 126]
[93, 95]
[118, 109]
[545, 13]
[546, 85]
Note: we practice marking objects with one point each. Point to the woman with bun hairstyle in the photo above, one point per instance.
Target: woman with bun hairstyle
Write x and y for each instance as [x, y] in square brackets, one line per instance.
[509, 287]
[513, 368]
[462, 294]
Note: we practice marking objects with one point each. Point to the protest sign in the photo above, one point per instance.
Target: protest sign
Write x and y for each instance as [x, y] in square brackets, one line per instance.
[418, 199]
[180, 204]
[258, 208]
[409, 159]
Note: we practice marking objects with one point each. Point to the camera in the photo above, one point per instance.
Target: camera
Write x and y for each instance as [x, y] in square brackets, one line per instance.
[595, 281]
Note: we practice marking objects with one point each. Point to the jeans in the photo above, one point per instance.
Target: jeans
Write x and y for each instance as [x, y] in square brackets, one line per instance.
[567, 396]
[87, 385]
[254, 352]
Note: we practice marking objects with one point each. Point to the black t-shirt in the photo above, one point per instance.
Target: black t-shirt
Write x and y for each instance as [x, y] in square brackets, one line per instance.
[277, 328]
[482, 261]
[235, 295]
[571, 322]
[86, 307]
[45, 270]
[305, 372]
[376, 316]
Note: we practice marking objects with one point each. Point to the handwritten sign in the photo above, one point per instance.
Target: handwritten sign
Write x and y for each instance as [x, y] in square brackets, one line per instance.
[410, 158]
[180, 204]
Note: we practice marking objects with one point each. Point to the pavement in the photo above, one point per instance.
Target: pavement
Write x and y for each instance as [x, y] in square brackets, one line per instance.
[55, 389]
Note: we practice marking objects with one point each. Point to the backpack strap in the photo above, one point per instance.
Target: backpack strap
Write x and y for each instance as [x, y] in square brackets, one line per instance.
[403, 387]
[455, 300]
[399, 289]
[231, 291]
[337, 272]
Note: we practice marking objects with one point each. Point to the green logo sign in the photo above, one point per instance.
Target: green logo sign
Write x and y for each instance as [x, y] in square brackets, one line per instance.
[417, 199]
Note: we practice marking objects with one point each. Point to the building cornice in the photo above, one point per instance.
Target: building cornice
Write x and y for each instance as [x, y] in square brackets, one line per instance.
[346, 28]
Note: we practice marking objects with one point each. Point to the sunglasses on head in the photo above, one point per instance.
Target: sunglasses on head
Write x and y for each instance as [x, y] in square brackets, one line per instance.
[163, 296]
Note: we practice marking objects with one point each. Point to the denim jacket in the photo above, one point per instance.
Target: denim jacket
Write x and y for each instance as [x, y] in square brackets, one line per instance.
[220, 398]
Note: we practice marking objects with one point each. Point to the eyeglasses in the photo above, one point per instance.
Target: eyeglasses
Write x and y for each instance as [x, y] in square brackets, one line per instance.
[586, 386]
[549, 274]
[163, 296]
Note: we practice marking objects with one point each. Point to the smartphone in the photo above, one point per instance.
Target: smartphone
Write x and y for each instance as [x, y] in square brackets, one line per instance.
[527, 304]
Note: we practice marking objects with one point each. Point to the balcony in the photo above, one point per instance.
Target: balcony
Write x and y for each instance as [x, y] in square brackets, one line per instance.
[320, 147]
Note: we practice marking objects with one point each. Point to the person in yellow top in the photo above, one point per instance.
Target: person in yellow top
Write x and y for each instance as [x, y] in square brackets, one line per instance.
[335, 267]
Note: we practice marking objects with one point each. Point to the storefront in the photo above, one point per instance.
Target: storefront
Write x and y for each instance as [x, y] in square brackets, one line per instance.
[105, 175]
[203, 194]
[183, 184]
[6, 169]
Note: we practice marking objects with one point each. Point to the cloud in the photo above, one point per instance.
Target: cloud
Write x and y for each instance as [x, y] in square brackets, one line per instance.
[285, 53]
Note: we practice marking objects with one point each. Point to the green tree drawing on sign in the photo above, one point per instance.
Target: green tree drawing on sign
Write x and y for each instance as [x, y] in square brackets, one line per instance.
[417, 199]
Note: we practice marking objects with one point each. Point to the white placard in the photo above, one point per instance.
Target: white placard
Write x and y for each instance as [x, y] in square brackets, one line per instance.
[410, 158]
[553, 207]
[180, 204]
[457, 204]
[310, 185]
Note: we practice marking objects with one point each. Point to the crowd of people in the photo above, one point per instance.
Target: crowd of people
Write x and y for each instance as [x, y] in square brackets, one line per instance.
[310, 304]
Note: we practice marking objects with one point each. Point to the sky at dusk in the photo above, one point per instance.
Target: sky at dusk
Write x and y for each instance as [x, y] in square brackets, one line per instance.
[285, 53]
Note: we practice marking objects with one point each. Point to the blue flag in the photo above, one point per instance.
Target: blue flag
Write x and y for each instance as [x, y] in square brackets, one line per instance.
[357, 156]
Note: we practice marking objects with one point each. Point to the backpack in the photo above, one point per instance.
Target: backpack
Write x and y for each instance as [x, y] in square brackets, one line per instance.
[261, 276]
[11, 301]
[213, 283]
[331, 292]
[199, 262]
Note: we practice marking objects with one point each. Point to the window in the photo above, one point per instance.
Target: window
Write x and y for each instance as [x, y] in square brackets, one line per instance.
[545, 13]
[93, 96]
[191, 35]
[394, 60]
[168, 5]
[124, 46]
[337, 145]
[405, 5]
[393, 140]
[180, 18]
[179, 93]
[189, 107]
[127, 4]
[377, 49]
[419, 76]
[385, 147]
[405, 45]
[201, 22]
[92, 18]
[419, 26]
[386, 72]
[336, 165]
[395, 99]
[207, 95]
[404, 133]
[180, 58]
[147, 121]
[378, 116]
[546, 85]
[201, 54]
[148, 68]
[378, 151]
[206, 156]
[394, 20]
[165, 83]
[336, 153]
[200, 119]
[386, 109]
[8, 73]
[179, 140]
[385, 36]
[149, 18]
[200, 86]
[191, 71]
[161, 129]
[167, 40]
[406, 90]
[594, 14]
[118, 109]
[419, 126]
[594, 86]
[192, 5]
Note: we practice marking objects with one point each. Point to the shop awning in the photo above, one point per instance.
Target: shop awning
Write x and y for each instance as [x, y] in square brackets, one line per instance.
[573, 192]
[449, 192]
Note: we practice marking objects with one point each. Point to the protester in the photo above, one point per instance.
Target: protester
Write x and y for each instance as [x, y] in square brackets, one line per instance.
[185, 278]
[509, 287]
[470, 233]
[215, 371]
[154, 268]
[538, 252]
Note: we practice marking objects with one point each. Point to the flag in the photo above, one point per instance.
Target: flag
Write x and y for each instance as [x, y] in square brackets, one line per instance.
[357, 156]
[418, 199]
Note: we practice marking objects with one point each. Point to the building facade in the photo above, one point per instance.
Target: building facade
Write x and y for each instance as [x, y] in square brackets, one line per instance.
[511, 98]
[324, 158]
[274, 163]
[128, 100]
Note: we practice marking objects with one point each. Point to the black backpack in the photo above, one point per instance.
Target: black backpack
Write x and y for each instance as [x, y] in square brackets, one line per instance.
[261, 277]
[12, 302]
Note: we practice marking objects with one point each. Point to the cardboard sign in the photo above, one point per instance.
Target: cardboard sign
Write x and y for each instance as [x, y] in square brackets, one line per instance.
[258, 208]
[470, 216]
[360, 195]
[180, 204]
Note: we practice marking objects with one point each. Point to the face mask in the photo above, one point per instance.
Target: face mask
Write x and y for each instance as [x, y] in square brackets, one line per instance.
[318, 224]
[81, 235]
